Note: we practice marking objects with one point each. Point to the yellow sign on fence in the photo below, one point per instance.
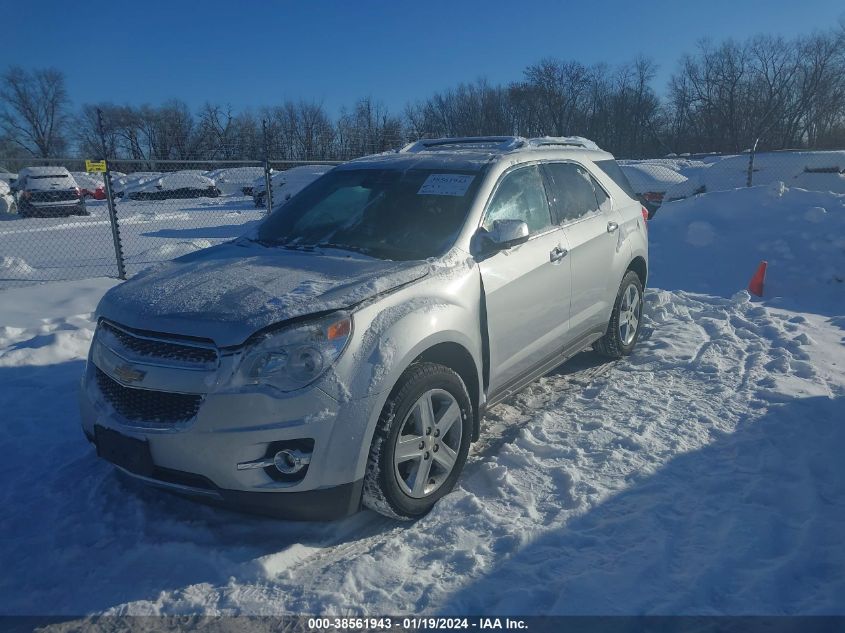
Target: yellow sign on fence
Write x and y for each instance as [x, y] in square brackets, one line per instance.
[95, 165]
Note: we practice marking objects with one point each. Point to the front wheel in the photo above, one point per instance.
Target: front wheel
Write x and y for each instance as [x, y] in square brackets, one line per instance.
[623, 330]
[421, 442]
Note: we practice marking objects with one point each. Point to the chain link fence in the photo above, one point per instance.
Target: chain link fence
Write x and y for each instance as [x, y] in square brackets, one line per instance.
[56, 224]
[55, 221]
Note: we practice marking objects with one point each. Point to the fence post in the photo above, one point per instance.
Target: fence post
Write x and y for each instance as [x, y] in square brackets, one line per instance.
[268, 181]
[115, 228]
[750, 179]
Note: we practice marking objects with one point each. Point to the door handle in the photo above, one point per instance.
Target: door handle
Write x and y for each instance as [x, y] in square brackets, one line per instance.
[611, 227]
[557, 254]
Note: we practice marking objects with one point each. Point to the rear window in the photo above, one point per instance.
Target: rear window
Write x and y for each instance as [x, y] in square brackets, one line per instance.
[617, 175]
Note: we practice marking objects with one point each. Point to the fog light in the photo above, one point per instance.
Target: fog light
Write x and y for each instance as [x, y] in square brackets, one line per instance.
[289, 462]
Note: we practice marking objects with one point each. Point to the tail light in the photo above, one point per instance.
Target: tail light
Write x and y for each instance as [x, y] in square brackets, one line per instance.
[645, 216]
[78, 192]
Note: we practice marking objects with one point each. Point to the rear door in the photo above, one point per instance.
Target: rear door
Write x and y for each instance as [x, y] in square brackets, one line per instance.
[585, 211]
[526, 286]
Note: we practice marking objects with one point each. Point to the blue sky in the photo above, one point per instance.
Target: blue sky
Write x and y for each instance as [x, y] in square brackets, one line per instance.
[252, 53]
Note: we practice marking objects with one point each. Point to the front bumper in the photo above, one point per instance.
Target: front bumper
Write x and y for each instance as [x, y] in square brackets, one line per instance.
[324, 504]
[200, 458]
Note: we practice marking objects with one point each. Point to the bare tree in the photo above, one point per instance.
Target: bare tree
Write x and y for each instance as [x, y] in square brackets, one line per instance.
[33, 109]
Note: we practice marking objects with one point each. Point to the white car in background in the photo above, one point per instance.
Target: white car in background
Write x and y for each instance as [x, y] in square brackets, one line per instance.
[180, 184]
[126, 181]
[287, 183]
[7, 200]
[48, 191]
[235, 180]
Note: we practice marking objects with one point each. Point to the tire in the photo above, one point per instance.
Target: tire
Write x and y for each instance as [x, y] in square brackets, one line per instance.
[391, 485]
[618, 342]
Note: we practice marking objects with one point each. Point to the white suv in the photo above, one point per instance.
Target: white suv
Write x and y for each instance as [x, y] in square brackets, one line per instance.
[48, 191]
[346, 350]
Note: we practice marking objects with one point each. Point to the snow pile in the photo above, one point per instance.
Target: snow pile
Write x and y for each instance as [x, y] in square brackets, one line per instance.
[817, 171]
[170, 250]
[713, 243]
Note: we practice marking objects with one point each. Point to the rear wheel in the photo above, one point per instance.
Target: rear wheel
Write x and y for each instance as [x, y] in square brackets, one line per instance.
[421, 442]
[624, 327]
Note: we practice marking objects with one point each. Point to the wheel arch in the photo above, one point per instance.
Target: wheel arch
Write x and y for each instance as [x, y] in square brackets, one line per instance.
[639, 266]
[458, 358]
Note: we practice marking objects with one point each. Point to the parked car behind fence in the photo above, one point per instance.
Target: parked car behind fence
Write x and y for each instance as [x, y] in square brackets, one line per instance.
[48, 191]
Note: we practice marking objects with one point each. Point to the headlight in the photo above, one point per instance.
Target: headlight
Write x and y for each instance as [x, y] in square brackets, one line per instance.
[296, 356]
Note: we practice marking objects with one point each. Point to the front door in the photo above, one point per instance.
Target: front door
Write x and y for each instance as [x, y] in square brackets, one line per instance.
[526, 286]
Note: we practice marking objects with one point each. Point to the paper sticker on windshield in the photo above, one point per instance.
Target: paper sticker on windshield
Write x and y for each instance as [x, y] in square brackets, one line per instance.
[445, 185]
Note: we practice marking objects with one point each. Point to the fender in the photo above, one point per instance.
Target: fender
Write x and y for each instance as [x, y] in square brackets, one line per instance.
[391, 334]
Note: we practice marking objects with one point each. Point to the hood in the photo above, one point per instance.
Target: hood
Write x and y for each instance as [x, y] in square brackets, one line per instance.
[226, 293]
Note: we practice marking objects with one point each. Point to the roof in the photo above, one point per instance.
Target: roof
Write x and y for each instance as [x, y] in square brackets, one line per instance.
[472, 153]
[43, 171]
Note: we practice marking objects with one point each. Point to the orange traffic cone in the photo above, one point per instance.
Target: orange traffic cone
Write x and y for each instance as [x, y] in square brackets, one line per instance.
[755, 286]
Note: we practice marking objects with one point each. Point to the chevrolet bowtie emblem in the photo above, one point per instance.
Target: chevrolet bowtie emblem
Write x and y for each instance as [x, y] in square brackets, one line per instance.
[127, 374]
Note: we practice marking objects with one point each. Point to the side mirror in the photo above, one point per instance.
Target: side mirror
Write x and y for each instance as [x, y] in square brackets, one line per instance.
[505, 234]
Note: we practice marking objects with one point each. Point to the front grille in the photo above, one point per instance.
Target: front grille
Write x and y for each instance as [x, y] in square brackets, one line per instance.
[160, 349]
[145, 405]
[53, 196]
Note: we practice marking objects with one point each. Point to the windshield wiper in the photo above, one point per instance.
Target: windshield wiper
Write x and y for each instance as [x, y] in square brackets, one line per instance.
[345, 247]
[286, 244]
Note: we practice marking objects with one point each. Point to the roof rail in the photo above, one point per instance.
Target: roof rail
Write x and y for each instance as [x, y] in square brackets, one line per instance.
[566, 141]
[496, 143]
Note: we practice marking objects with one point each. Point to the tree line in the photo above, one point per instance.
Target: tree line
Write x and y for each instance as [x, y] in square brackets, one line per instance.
[722, 97]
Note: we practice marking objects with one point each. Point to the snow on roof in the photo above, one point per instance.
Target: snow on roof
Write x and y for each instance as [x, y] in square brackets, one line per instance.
[44, 171]
[565, 141]
[646, 178]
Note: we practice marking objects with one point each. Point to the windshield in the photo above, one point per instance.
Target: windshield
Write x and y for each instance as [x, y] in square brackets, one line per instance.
[385, 213]
[49, 176]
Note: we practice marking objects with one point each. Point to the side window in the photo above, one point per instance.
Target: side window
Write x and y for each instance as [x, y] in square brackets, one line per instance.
[571, 188]
[520, 196]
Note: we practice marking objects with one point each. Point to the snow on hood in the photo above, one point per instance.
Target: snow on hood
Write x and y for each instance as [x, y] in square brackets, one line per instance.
[228, 292]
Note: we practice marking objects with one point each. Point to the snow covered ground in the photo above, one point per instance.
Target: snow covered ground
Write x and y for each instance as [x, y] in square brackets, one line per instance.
[77, 247]
[702, 475]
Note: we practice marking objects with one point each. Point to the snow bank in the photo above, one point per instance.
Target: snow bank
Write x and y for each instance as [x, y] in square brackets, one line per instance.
[170, 250]
[713, 243]
[818, 171]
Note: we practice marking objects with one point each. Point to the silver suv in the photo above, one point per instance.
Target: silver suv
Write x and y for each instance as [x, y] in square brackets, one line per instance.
[345, 351]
